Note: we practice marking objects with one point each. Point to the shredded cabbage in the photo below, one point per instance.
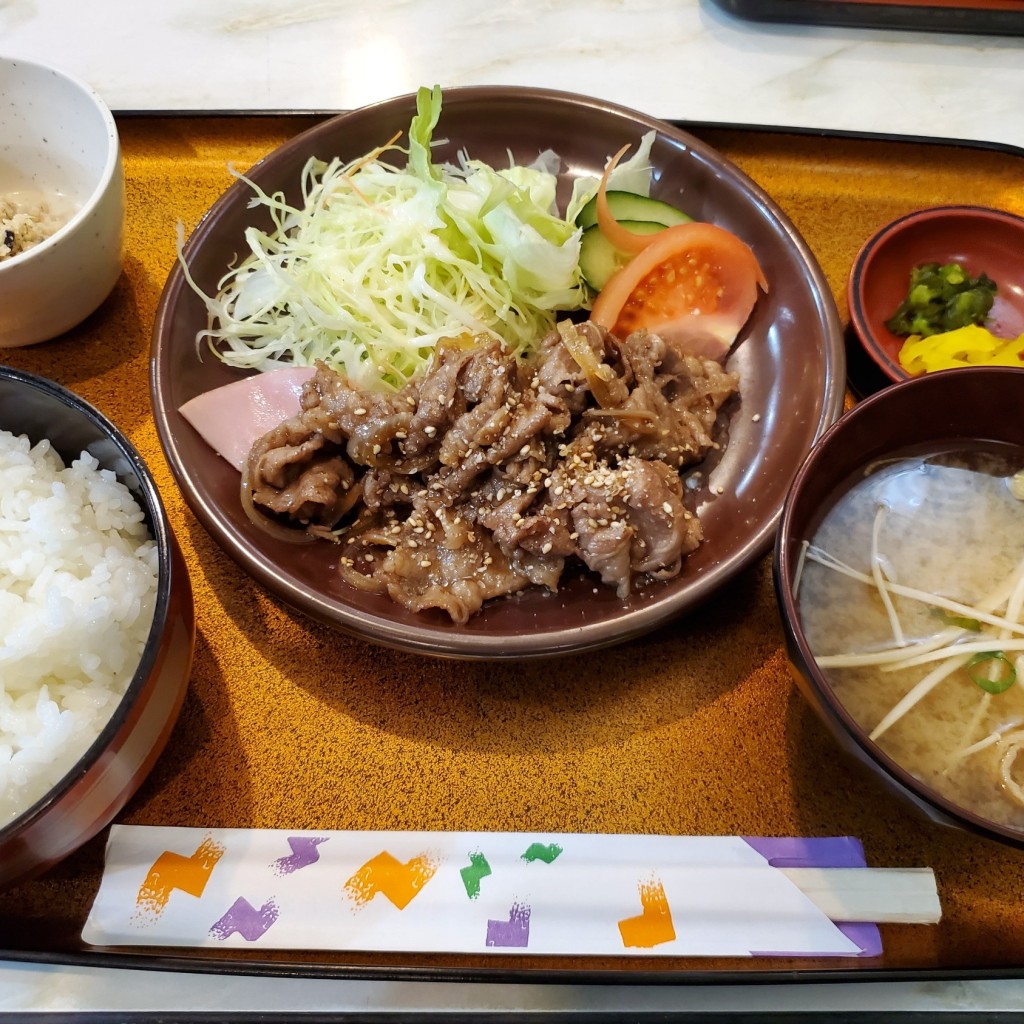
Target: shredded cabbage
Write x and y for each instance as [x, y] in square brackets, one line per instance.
[381, 262]
[632, 175]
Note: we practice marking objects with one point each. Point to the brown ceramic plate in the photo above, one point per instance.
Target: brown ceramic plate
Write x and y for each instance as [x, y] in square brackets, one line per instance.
[977, 237]
[790, 359]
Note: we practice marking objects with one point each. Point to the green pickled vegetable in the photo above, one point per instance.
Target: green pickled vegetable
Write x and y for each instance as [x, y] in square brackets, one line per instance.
[942, 298]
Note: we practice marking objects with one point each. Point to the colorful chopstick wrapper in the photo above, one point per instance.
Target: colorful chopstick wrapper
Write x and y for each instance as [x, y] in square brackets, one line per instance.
[468, 892]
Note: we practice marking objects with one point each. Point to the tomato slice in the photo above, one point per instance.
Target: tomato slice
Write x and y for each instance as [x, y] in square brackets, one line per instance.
[693, 284]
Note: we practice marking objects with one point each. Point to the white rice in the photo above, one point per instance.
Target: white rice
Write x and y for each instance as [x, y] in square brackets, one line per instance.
[78, 581]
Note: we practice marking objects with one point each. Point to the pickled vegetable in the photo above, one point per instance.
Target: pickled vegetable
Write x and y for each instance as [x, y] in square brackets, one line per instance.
[942, 298]
[966, 346]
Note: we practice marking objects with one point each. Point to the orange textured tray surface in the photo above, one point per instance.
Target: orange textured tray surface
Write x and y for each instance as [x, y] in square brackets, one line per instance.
[694, 729]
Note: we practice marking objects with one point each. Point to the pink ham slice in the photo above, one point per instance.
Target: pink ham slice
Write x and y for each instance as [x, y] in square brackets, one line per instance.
[231, 418]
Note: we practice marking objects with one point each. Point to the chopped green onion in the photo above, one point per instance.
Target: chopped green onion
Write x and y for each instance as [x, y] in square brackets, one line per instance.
[957, 620]
[982, 679]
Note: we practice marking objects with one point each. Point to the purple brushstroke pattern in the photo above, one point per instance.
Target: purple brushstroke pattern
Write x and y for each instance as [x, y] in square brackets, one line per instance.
[304, 852]
[823, 852]
[244, 918]
[515, 932]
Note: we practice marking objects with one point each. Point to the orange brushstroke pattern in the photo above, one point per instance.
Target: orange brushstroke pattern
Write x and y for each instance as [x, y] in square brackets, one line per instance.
[389, 876]
[654, 925]
[172, 871]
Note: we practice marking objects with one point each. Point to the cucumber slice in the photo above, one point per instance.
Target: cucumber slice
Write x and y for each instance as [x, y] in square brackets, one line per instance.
[629, 206]
[599, 259]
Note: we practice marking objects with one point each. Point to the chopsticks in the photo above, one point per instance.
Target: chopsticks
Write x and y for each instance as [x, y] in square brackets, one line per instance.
[875, 895]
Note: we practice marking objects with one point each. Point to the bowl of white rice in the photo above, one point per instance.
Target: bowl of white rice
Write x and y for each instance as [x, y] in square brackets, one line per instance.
[97, 624]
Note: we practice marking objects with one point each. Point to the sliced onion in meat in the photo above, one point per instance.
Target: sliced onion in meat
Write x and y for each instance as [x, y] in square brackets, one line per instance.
[354, 578]
[639, 419]
[598, 374]
[372, 582]
[348, 500]
[289, 534]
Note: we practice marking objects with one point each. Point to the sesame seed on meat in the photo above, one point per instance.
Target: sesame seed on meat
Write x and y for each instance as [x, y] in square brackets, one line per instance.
[488, 476]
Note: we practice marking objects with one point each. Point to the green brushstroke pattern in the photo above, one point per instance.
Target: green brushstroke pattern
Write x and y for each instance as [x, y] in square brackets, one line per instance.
[538, 851]
[472, 875]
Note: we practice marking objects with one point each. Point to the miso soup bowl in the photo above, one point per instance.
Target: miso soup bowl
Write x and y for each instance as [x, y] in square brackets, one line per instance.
[99, 784]
[951, 408]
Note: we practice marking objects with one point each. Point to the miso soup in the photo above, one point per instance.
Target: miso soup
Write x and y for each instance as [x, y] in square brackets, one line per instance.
[923, 557]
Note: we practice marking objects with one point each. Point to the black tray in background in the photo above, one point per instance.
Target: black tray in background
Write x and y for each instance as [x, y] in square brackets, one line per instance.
[978, 17]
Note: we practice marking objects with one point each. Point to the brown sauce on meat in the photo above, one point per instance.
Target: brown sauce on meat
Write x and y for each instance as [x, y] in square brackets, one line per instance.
[488, 475]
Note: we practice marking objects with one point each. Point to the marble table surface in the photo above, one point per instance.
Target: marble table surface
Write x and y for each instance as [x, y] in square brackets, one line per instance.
[679, 59]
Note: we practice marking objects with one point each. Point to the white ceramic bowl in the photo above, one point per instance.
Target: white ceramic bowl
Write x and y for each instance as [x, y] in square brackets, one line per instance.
[58, 137]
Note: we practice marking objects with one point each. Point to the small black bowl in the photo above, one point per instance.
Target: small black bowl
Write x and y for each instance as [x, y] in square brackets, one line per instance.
[942, 410]
[96, 788]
